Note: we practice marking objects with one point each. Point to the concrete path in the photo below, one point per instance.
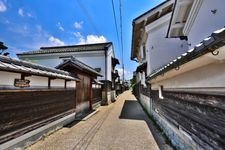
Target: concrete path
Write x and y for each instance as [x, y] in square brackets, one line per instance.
[120, 126]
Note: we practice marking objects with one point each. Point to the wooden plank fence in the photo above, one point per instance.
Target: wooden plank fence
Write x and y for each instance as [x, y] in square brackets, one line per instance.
[23, 111]
[201, 116]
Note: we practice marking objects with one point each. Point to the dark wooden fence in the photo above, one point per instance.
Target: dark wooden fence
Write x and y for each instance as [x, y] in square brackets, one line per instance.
[140, 89]
[136, 90]
[202, 116]
[23, 111]
[144, 90]
[96, 94]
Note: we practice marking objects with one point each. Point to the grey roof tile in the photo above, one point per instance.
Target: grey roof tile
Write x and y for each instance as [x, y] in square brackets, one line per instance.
[71, 48]
[80, 65]
[14, 65]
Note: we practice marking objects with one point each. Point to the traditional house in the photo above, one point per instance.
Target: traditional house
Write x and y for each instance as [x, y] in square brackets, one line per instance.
[99, 56]
[148, 30]
[33, 100]
[186, 93]
[87, 76]
[150, 47]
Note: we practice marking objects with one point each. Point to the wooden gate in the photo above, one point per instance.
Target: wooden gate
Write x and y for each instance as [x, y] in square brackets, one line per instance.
[83, 89]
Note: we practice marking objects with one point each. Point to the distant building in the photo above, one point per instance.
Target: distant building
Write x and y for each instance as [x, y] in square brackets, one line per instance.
[180, 47]
[99, 56]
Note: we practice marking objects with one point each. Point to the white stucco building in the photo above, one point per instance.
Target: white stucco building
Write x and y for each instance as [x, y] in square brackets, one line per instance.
[99, 56]
[150, 44]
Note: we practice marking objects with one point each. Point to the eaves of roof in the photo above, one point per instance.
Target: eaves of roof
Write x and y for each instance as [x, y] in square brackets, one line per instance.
[210, 44]
[154, 8]
[69, 48]
[79, 65]
[139, 24]
[141, 67]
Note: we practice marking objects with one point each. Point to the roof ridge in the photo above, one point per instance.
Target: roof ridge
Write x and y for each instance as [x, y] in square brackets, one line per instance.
[79, 45]
[68, 48]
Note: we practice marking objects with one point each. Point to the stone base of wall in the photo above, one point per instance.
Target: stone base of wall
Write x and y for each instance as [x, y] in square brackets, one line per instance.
[96, 105]
[82, 109]
[146, 103]
[113, 96]
[106, 98]
[177, 137]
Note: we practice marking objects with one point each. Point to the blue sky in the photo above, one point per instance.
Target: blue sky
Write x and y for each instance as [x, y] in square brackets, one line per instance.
[30, 24]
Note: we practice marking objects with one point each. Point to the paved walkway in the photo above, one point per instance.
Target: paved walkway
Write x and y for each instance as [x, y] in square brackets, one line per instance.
[121, 126]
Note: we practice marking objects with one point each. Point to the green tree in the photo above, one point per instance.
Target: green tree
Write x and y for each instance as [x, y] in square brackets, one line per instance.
[133, 80]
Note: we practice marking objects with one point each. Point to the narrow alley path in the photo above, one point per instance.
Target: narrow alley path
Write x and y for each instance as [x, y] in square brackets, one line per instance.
[121, 125]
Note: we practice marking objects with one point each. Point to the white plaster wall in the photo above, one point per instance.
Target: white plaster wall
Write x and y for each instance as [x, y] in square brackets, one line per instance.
[210, 76]
[82, 107]
[57, 83]
[50, 61]
[162, 50]
[109, 64]
[206, 22]
[71, 84]
[138, 77]
[37, 81]
[7, 78]
[148, 56]
[93, 59]
[95, 62]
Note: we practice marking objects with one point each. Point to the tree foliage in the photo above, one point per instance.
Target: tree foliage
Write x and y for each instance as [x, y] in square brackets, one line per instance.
[133, 80]
[2, 49]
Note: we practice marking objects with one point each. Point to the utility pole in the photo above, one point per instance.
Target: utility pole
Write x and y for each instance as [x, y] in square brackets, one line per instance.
[121, 32]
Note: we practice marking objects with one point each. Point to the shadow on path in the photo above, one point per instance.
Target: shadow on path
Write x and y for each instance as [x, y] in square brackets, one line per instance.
[133, 110]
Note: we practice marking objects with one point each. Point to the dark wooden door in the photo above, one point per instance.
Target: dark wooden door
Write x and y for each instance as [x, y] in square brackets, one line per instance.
[83, 93]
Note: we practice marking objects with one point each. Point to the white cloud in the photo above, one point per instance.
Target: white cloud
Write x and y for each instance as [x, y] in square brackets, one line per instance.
[21, 12]
[95, 39]
[127, 74]
[78, 35]
[78, 25]
[29, 15]
[20, 29]
[90, 39]
[3, 7]
[7, 21]
[30, 37]
[55, 41]
[59, 26]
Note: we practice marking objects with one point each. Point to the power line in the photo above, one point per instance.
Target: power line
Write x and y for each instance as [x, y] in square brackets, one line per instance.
[88, 16]
[121, 34]
[115, 21]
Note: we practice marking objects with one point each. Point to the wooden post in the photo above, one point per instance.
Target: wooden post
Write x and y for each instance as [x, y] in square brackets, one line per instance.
[49, 83]
[65, 84]
[91, 93]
